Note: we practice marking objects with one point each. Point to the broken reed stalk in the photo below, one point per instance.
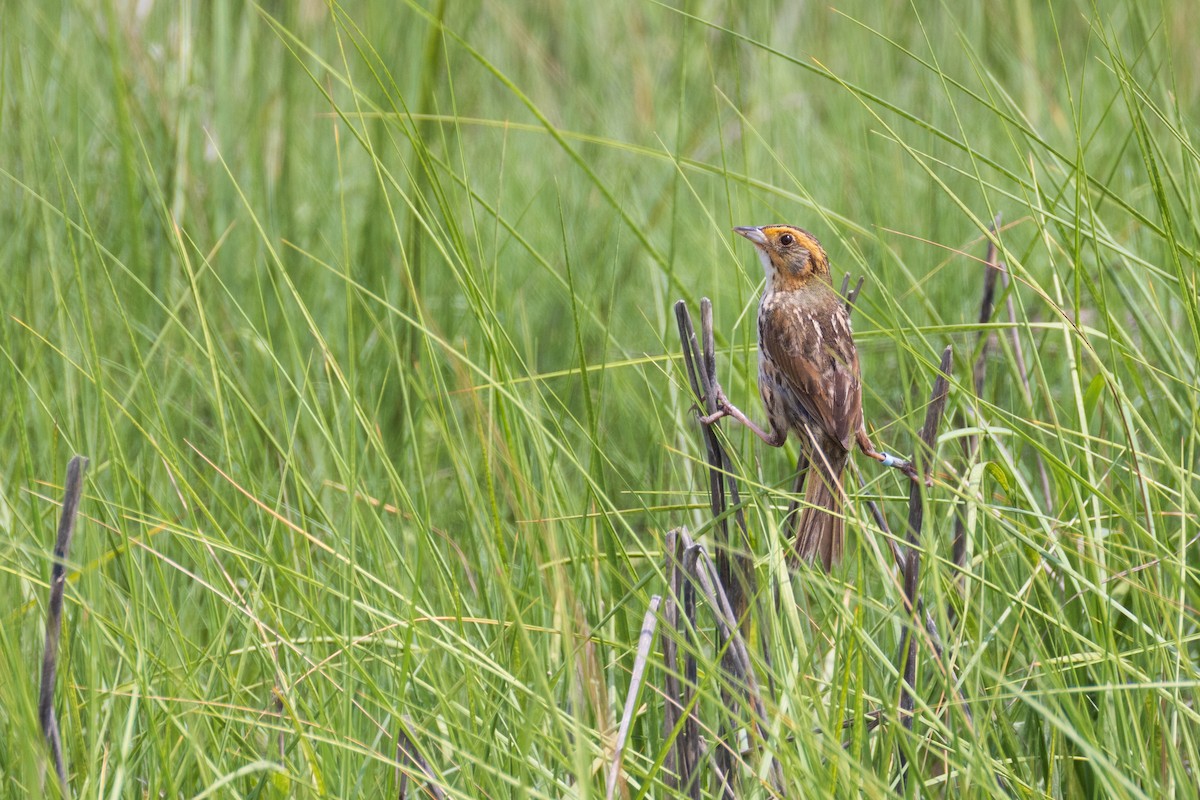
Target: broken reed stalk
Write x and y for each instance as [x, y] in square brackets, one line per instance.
[408, 757]
[733, 562]
[923, 460]
[681, 726]
[72, 491]
[931, 629]
[893, 546]
[678, 617]
[687, 627]
[978, 377]
[734, 566]
[993, 269]
[744, 670]
[732, 578]
[645, 640]
[672, 711]
[689, 569]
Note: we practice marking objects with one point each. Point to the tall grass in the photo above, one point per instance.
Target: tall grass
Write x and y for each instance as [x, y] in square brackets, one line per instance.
[362, 314]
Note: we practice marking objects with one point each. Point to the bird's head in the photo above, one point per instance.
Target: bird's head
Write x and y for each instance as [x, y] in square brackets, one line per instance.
[790, 256]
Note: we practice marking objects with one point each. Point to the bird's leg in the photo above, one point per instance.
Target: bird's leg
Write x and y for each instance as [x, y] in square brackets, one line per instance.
[887, 459]
[775, 438]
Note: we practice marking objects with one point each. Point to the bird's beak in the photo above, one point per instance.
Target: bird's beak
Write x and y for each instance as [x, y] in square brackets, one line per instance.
[753, 234]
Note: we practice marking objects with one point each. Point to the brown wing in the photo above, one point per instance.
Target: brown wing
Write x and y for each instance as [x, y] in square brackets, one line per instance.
[815, 352]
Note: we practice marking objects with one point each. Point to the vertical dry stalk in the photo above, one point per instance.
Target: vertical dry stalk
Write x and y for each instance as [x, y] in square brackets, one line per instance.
[691, 727]
[978, 376]
[72, 491]
[690, 569]
[280, 741]
[672, 707]
[743, 667]
[728, 586]
[994, 268]
[408, 757]
[740, 667]
[894, 546]
[733, 563]
[923, 459]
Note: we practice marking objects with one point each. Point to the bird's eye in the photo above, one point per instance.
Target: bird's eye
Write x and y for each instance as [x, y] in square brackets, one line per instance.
[787, 240]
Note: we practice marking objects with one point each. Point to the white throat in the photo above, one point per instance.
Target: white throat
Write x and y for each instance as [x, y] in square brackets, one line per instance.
[768, 268]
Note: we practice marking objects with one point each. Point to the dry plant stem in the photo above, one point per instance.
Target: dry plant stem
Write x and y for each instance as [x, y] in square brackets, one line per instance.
[881, 521]
[852, 297]
[705, 573]
[935, 641]
[995, 269]
[734, 578]
[978, 376]
[408, 754]
[645, 641]
[874, 718]
[72, 491]
[924, 458]
[733, 559]
[691, 726]
[280, 742]
[735, 566]
[736, 663]
[986, 308]
[723, 785]
[939, 650]
[673, 706]
[701, 368]
[1018, 350]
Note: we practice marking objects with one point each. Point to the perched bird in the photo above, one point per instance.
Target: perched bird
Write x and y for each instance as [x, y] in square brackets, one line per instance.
[809, 380]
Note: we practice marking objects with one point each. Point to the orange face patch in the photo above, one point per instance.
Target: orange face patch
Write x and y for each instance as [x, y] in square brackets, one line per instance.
[803, 238]
[794, 252]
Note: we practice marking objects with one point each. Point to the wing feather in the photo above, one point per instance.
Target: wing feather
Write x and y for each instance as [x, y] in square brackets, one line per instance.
[815, 353]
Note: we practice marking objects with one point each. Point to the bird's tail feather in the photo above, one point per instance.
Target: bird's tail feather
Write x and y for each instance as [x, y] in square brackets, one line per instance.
[821, 528]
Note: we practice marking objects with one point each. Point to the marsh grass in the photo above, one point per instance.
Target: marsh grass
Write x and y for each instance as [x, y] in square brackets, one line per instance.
[364, 322]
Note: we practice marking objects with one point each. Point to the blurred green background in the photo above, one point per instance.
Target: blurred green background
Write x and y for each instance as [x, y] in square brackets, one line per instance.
[362, 313]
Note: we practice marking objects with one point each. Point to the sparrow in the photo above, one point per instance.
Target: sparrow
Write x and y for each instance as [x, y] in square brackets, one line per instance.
[809, 380]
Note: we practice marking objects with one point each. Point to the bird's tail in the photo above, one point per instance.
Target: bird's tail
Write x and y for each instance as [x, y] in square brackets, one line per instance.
[821, 527]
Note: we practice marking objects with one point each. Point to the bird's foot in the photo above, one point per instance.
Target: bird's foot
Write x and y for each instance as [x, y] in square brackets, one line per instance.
[724, 407]
[889, 460]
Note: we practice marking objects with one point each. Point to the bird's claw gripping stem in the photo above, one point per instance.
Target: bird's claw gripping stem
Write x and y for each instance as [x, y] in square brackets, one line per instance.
[723, 408]
[889, 460]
